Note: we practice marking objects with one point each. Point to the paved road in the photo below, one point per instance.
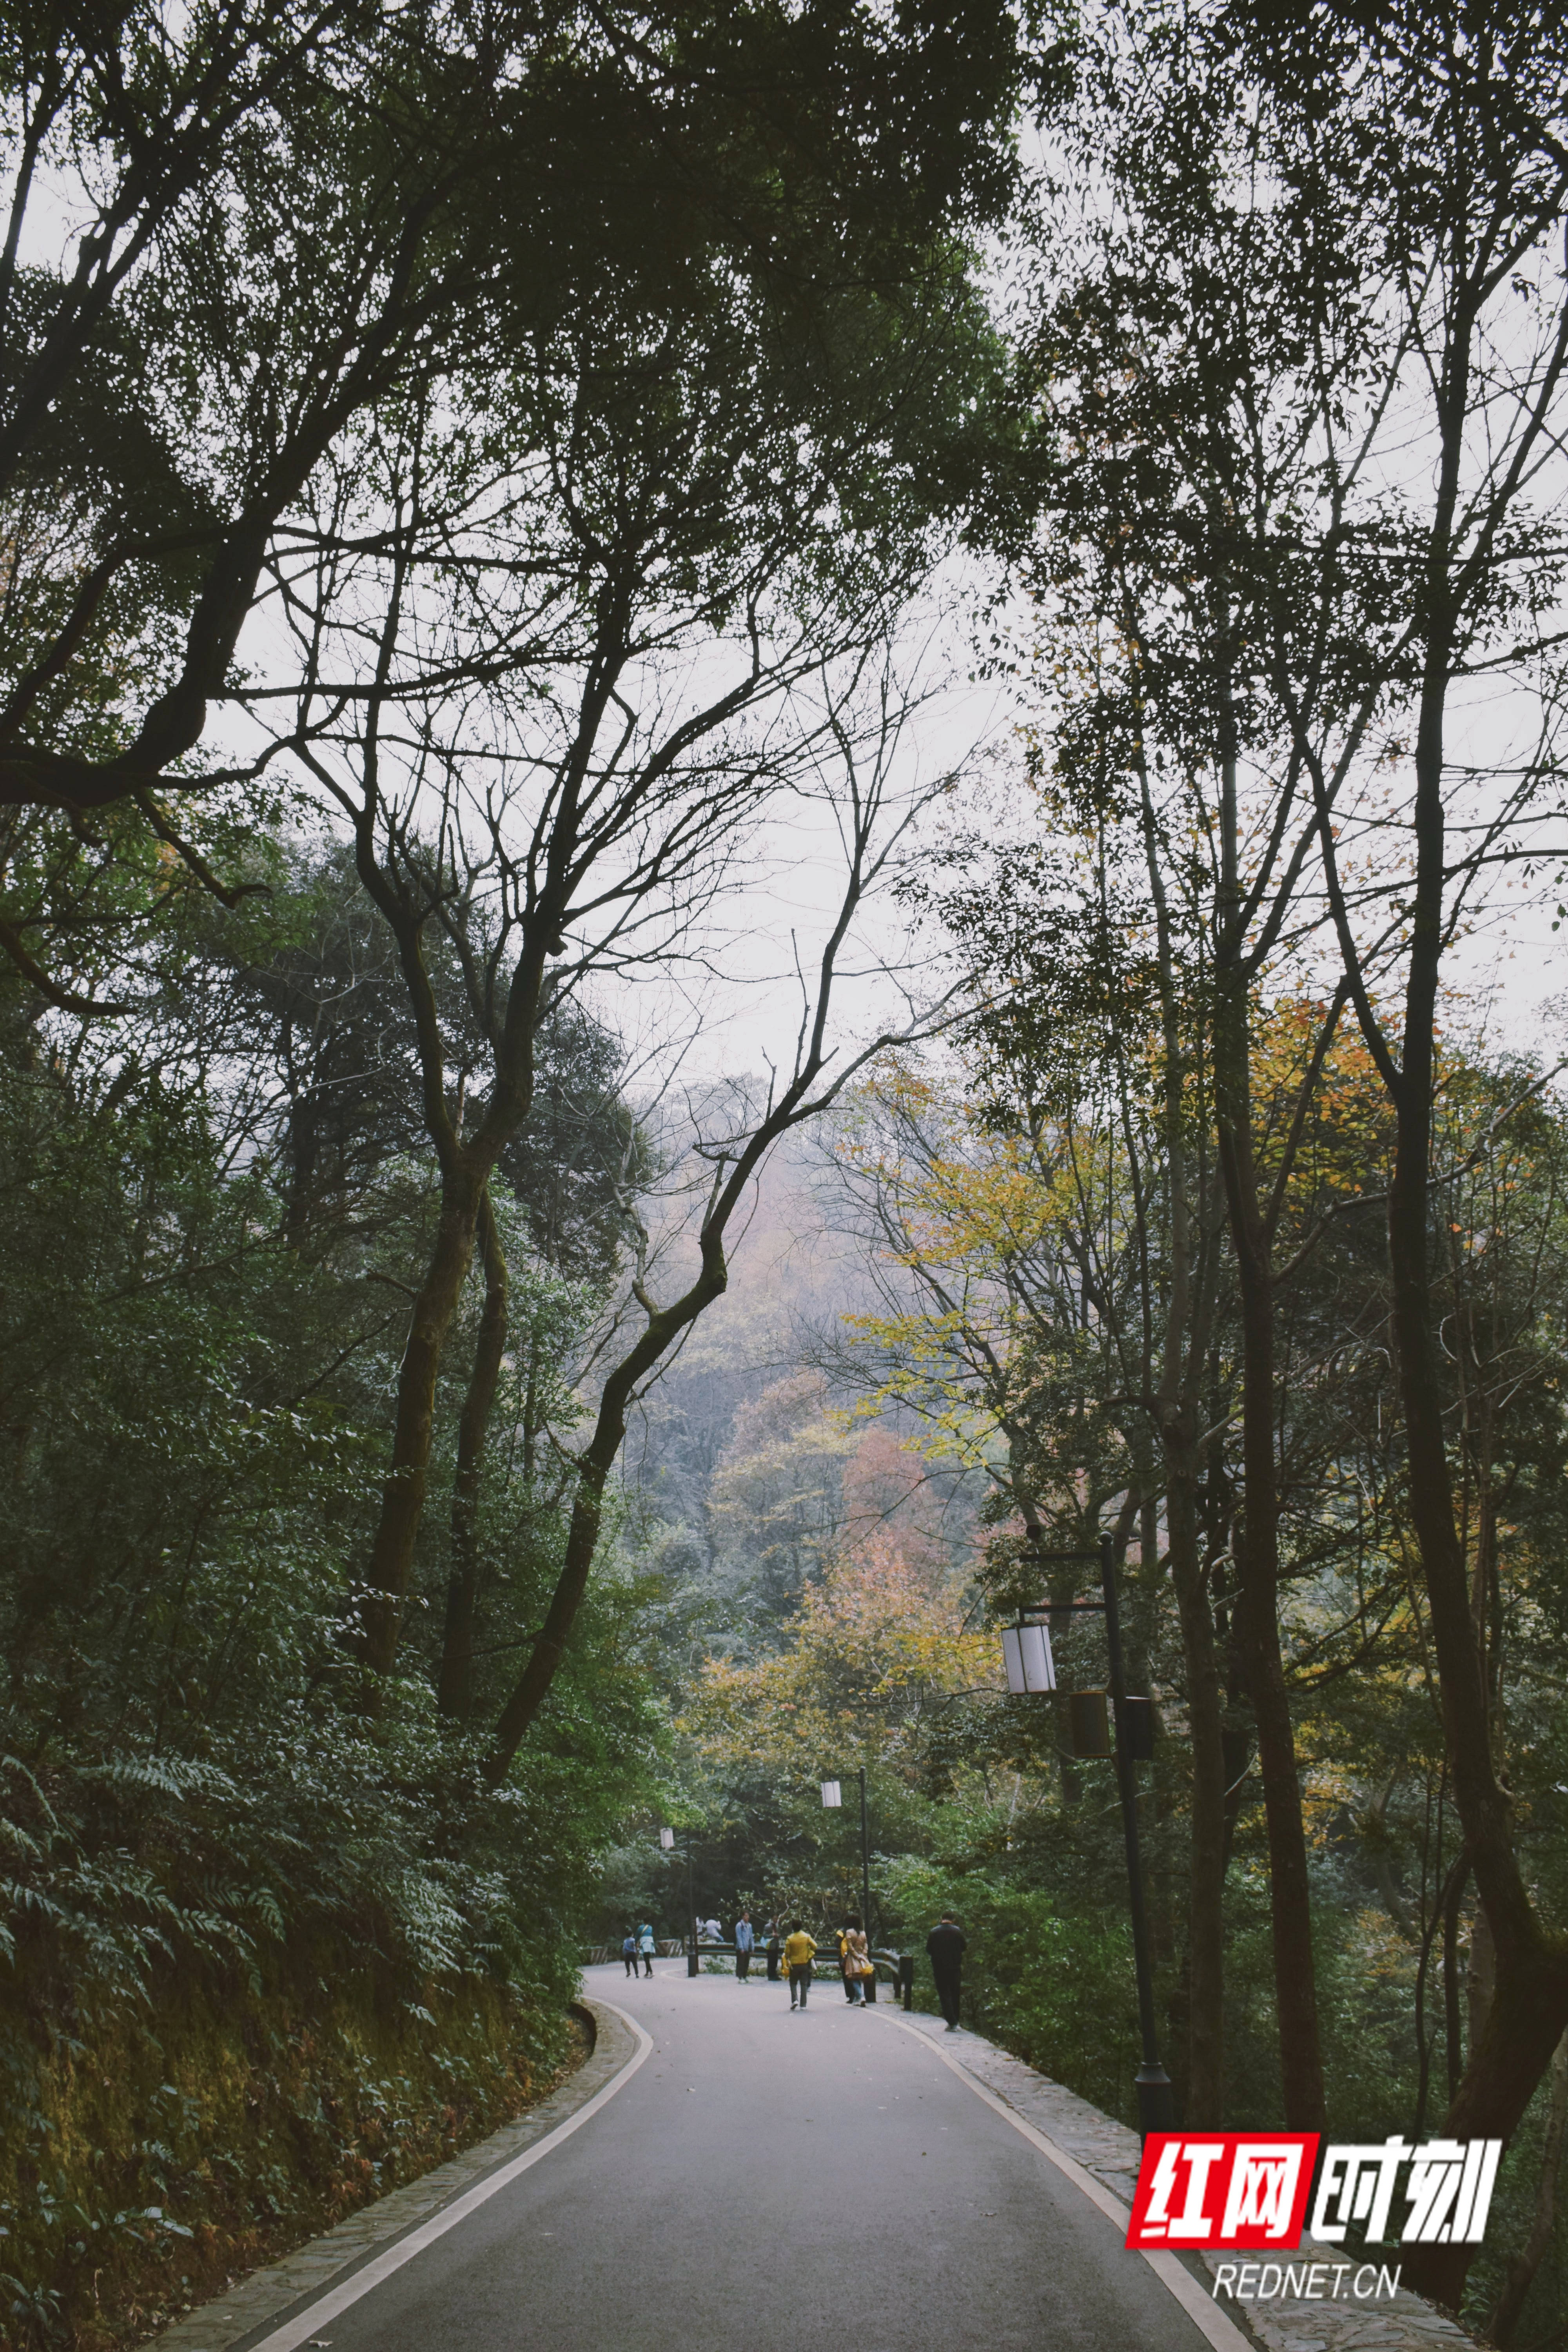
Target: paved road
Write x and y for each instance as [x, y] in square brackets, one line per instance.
[812, 2181]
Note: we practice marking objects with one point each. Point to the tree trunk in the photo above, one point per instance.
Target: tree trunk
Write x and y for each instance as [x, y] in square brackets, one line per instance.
[465, 1166]
[1182, 1362]
[455, 1687]
[1480, 1977]
[1529, 2010]
[1453, 2034]
[403, 1491]
[1205, 1920]
[665, 1325]
[663, 1328]
[1258, 1626]
[1256, 1553]
[303, 1149]
[1520, 2275]
[1218, 1516]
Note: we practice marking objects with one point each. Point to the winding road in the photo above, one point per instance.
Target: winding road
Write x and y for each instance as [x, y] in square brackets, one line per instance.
[814, 2180]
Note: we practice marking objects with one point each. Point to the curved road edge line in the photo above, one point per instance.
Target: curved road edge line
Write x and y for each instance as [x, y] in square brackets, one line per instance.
[1220, 2331]
[305, 2323]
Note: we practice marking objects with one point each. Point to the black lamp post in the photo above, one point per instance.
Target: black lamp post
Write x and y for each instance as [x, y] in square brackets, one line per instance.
[691, 1962]
[1030, 1668]
[667, 1840]
[832, 1795]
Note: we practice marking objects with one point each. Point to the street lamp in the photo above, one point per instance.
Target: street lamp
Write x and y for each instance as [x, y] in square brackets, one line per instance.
[1027, 1655]
[1026, 1651]
[833, 1797]
[667, 1840]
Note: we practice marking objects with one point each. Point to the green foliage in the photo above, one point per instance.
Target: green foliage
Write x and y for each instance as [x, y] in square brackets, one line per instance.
[150, 2156]
[691, 296]
[994, 1347]
[1051, 1980]
[205, 1830]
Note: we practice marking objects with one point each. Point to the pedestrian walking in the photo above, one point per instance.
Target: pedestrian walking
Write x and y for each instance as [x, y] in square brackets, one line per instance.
[646, 1947]
[799, 1951]
[945, 1945]
[744, 1940]
[774, 1949]
[855, 1960]
[629, 1952]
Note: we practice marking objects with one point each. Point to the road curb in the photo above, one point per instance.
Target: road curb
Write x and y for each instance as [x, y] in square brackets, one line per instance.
[1110, 2152]
[270, 2296]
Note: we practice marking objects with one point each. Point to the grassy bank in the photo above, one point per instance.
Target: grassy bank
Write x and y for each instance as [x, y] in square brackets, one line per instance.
[167, 2148]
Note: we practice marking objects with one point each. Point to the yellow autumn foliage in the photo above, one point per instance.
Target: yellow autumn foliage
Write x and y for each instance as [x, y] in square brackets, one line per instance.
[875, 1645]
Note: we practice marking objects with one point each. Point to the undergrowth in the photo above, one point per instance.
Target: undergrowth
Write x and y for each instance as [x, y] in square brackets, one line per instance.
[166, 2148]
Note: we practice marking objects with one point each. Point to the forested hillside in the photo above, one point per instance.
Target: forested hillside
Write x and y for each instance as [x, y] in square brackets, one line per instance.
[268, 1950]
[463, 472]
[1002, 1332]
[1013, 560]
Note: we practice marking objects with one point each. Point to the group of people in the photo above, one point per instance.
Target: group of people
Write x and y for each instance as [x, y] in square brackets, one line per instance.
[856, 1965]
[944, 1949]
[637, 1945]
[793, 1956]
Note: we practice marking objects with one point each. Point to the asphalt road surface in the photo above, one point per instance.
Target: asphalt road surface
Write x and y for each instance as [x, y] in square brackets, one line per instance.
[810, 2180]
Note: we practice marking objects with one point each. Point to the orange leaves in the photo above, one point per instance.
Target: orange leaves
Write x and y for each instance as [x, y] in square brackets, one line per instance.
[872, 1642]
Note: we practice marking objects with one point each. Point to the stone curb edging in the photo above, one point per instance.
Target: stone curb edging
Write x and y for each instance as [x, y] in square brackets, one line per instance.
[1110, 2151]
[275, 2292]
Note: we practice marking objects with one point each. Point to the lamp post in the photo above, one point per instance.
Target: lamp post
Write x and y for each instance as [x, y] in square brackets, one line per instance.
[667, 1840]
[833, 1797]
[1030, 1667]
[691, 1961]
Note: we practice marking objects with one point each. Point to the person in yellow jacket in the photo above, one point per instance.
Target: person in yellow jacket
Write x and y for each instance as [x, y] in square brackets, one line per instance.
[799, 1951]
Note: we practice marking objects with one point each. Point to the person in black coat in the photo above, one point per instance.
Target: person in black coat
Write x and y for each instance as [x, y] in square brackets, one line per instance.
[946, 1947]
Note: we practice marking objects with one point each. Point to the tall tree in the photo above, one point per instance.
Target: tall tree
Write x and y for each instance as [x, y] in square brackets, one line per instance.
[291, 216]
[1133, 377]
[1455, 127]
[1359, 262]
[873, 810]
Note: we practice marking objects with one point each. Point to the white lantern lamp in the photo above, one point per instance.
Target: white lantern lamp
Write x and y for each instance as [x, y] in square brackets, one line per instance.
[831, 1794]
[1027, 1655]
